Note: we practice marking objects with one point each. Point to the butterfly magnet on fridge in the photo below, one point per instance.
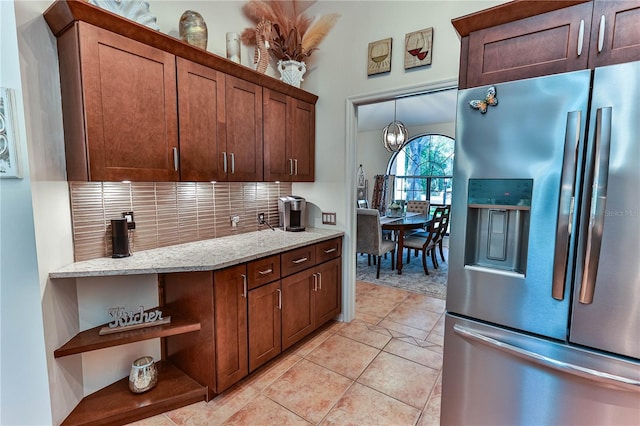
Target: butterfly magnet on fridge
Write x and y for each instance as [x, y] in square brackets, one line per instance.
[489, 100]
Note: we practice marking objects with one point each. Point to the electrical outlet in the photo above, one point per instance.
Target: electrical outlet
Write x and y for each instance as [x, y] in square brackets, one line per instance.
[131, 224]
[261, 220]
[234, 220]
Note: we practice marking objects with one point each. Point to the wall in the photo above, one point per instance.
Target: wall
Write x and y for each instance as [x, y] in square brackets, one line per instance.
[42, 219]
[24, 391]
[168, 213]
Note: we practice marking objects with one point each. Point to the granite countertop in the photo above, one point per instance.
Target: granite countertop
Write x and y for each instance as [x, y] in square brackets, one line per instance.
[204, 255]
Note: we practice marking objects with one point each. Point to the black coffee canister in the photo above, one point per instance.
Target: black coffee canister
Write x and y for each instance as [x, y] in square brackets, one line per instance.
[120, 238]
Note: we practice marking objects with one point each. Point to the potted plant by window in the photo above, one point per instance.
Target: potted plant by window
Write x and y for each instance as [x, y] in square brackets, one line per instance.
[283, 30]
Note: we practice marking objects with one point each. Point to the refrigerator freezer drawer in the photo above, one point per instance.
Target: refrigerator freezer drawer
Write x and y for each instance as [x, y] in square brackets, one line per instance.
[493, 376]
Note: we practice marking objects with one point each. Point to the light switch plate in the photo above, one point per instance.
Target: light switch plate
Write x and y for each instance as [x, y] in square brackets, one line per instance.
[328, 218]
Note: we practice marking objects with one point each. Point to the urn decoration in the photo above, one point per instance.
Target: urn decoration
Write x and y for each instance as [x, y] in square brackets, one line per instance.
[291, 72]
[193, 29]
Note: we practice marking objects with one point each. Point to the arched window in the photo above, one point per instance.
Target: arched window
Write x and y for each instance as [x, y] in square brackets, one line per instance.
[423, 169]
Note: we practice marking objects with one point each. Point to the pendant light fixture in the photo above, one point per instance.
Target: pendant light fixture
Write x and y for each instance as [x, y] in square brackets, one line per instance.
[395, 134]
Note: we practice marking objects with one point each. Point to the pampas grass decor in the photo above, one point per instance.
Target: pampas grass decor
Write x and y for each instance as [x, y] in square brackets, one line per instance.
[295, 35]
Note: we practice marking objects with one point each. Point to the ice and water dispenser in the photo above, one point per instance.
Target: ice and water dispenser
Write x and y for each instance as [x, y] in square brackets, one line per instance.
[498, 216]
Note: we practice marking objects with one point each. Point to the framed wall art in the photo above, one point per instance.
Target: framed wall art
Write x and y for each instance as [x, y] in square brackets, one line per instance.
[9, 165]
[379, 56]
[417, 48]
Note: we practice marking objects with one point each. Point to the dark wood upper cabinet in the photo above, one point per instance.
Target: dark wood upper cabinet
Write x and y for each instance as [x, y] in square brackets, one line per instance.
[617, 23]
[119, 109]
[201, 107]
[289, 138]
[529, 38]
[531, 47]
[122, 97]
[242, 157]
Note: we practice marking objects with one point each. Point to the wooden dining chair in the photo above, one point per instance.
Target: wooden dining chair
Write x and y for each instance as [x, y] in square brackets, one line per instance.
[369, 237]
[427, 241]
[443, 229]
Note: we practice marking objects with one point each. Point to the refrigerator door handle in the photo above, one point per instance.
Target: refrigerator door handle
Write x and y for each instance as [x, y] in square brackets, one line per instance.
[598, 203]
[620, 382]
[565, 208]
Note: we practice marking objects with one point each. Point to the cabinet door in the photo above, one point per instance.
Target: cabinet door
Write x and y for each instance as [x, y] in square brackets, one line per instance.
[302, 143]
[328, 297]
[264, 324]
[540, 45]
[289, 138]
[202, 115]
[230, 291]
[618, 23]
[129, 93]
[298, 309]
[243, 157]
[278, 163]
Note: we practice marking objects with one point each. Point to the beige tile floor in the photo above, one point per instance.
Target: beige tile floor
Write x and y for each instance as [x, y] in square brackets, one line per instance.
[383, 368]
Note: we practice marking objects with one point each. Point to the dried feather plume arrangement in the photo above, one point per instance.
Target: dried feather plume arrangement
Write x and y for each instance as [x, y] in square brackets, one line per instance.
[294, 35]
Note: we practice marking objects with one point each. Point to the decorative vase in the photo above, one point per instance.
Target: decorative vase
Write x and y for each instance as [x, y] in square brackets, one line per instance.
[233, 47]
[291, 72]
[143, 375]
[193, 29]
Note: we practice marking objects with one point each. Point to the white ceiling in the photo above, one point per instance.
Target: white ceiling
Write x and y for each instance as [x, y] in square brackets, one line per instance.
[412, 111]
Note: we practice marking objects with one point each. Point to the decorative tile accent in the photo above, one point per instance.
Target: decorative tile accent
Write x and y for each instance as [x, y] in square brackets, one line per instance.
[167, 213]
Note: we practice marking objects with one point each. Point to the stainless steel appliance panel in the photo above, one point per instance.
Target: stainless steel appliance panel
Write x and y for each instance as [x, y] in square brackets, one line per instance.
[492, 376]
[606, 311]
[523, 137]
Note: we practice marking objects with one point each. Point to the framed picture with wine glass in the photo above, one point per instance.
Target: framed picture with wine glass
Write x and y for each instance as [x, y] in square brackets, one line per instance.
[417, 48]
[379, 57]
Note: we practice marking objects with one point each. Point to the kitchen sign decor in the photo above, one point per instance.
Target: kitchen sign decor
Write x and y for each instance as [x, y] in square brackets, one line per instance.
[122, 320]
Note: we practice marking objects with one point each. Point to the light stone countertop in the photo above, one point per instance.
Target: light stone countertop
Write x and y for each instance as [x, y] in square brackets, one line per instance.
[204, 255]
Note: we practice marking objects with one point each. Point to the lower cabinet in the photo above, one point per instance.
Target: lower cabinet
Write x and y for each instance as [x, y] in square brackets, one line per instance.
[309, 299]
[230, 305]
[264, 324]
[251, 312]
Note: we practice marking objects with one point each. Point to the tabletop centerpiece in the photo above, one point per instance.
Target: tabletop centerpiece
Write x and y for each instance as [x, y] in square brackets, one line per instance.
[287, 33]
[396, 208]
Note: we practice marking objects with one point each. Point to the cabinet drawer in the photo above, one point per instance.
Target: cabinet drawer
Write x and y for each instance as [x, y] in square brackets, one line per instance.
[263, 271]
[297, 260]
[328, 250]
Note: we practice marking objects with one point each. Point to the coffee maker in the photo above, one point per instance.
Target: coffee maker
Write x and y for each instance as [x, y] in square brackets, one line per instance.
[292, 212]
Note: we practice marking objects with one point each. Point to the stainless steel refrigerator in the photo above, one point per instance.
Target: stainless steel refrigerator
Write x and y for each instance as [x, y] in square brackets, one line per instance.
[543, 296]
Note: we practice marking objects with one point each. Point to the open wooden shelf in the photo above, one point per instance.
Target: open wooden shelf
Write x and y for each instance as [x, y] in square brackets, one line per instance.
[90, 340]
[117, 405]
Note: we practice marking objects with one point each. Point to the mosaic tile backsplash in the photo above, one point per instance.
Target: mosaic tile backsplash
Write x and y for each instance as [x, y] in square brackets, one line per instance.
[167, 213]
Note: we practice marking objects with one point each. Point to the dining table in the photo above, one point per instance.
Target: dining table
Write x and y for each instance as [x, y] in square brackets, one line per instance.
[399, 225]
